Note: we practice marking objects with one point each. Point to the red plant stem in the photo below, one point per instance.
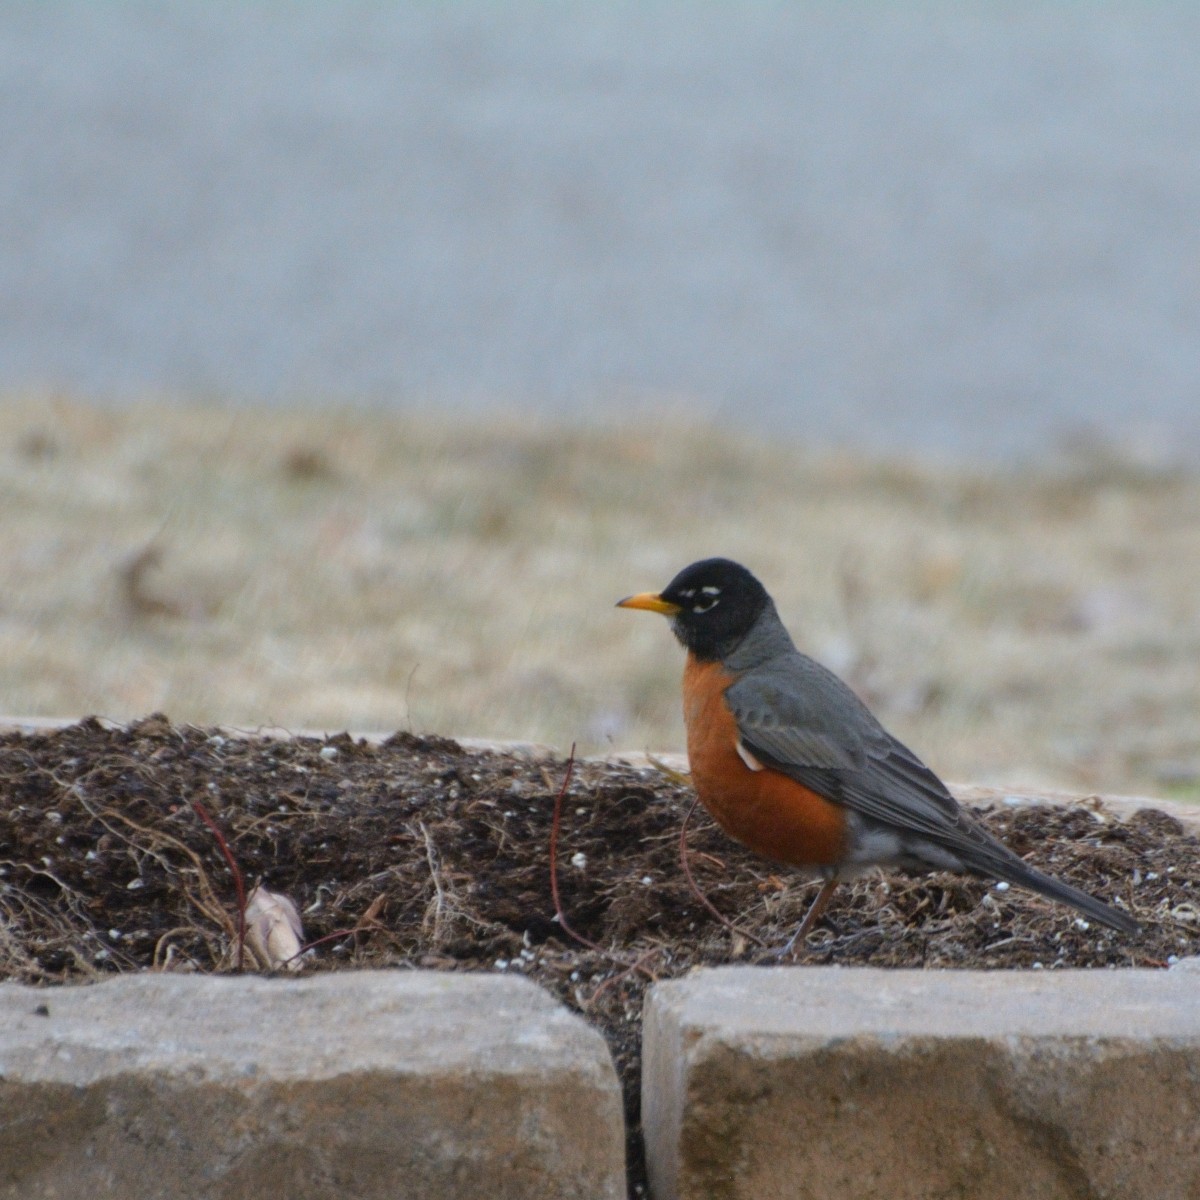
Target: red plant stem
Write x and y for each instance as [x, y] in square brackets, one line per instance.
[556, 822]
[554, 827]
[238, 882]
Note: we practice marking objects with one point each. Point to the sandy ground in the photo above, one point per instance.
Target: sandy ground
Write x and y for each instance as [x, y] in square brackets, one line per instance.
[381, 570]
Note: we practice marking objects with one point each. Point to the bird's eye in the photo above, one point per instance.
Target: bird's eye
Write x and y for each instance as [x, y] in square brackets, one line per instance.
[705, 603]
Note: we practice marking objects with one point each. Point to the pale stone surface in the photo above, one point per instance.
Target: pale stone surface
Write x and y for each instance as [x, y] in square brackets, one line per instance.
[380, 1084]
[828, 1083]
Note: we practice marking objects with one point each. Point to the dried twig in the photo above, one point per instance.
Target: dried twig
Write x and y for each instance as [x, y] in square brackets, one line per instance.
[687, 870]
[439, 899]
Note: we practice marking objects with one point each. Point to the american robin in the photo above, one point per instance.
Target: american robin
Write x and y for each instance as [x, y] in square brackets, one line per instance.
[791, 763]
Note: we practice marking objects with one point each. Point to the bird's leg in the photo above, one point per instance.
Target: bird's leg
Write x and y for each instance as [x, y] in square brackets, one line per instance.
[811, 917]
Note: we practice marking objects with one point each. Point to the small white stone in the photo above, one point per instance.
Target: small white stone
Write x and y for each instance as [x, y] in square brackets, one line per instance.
[579, 859]
[502, 964]
[1002, 886]
[1037, 966]
[328, 753]
[647, 880]
[216, 740]
[134, 884]
[115, 934]
[1080, 923]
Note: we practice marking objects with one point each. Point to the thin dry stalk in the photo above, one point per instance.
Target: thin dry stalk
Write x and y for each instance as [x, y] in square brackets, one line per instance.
[438, 904]
[695, 887]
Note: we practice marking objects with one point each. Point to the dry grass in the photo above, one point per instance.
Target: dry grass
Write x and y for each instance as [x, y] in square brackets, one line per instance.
[386, 570]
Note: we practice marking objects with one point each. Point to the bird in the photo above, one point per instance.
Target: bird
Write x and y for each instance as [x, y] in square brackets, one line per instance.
[791, 763]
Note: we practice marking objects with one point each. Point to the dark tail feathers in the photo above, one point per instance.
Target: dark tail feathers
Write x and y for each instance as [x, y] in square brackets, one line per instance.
[1046, 885]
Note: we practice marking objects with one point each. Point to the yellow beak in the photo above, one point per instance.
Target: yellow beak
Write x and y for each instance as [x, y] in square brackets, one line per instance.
[651, 602]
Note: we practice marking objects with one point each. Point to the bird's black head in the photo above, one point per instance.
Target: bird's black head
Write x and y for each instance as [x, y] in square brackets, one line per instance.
[712, 605]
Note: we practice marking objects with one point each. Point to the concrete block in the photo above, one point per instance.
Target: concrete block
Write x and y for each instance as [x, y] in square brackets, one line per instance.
[350, 1085]
[824, 1083]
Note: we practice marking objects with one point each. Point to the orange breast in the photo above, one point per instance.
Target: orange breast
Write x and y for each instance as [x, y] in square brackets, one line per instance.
[774, 815]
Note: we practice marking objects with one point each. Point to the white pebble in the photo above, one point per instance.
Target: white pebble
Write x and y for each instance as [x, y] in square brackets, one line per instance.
[647, 880]
[328, 753]
[579, 859]
[1080, 923]
[1037, 966]
[1002, 886]
[502, 964]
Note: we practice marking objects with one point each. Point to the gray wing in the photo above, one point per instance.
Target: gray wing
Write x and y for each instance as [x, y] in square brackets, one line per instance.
[802, 720]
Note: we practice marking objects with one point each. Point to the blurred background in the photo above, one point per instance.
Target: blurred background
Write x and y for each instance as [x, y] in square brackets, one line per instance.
[355, 358]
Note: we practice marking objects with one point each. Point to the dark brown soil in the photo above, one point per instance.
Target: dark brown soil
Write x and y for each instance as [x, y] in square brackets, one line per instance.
[417, 853]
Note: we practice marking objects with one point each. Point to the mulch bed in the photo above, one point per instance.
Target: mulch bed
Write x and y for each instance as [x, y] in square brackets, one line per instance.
[417, 853]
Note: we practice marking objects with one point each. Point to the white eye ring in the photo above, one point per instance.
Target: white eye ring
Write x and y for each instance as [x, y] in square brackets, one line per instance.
[701, 607]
